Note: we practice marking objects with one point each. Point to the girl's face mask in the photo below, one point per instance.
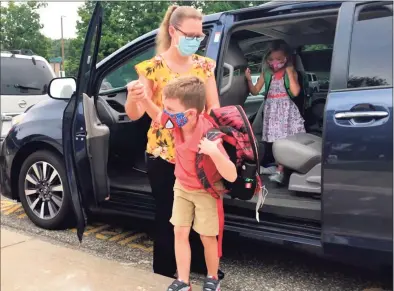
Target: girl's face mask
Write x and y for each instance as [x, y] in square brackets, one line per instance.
[277, 65]
[173, 120]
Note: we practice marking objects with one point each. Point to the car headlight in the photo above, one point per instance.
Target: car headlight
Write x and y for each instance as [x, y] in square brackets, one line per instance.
[16, 119]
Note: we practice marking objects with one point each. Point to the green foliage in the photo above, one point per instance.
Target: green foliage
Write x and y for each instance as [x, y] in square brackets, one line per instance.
[20, 28]
[124, 21]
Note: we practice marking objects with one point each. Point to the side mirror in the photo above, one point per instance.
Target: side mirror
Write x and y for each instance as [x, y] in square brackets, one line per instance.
[62, 88]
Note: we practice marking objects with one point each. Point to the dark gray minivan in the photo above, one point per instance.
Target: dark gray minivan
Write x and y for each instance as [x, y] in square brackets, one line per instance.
[338, 200]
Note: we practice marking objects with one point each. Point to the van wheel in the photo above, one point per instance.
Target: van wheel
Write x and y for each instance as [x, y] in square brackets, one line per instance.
[43, 190]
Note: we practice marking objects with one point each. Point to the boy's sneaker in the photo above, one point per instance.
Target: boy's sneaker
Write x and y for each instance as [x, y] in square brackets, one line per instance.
[211, 284]
[268, 170]
[278, 177]
[179, 286]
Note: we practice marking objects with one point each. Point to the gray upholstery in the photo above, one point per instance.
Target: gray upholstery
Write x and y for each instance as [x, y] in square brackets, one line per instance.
[300, 152]
[298, 63]
[97, 139]
[239, 90]
[104, 112]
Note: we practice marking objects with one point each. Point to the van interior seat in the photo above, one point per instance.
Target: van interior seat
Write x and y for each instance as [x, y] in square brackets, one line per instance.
[239, 90]
[301, 153]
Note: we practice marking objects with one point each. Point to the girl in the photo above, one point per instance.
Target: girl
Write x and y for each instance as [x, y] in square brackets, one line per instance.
[178, 39]
[281, 116]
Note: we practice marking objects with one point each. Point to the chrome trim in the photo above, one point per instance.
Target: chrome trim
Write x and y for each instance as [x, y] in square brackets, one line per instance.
[373, 114]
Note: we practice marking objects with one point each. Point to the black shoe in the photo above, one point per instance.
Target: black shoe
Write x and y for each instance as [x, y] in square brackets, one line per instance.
[220, 274]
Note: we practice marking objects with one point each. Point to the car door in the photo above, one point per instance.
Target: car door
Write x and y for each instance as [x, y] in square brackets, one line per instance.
[357, 198]
[79, 174]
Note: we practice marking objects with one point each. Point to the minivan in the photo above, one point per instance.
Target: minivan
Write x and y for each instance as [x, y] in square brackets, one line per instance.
[66, 154]
[24, 82]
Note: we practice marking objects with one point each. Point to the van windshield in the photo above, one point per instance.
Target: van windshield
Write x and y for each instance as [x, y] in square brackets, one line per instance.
[23, 77]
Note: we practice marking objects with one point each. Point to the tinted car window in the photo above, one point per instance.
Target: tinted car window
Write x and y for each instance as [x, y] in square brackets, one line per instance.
[24, 77]
[309, 78]
[371, 62]
[127, 73]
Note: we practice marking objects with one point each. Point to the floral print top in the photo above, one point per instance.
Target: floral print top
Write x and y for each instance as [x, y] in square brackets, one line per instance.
[161, 140]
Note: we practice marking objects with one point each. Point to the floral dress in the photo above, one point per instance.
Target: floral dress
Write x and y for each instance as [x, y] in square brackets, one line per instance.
[281, 116]
[161, 140]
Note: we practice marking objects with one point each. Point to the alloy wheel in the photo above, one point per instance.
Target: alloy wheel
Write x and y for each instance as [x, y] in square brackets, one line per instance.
[44, 190]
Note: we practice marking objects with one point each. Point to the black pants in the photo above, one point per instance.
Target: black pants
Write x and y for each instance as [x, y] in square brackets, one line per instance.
[162, 180]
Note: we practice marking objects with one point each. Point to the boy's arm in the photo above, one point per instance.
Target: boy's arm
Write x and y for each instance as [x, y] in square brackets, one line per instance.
[152, 109]
[224, 165]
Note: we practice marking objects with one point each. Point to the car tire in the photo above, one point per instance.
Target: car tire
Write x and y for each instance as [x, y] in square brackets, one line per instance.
[44, 192]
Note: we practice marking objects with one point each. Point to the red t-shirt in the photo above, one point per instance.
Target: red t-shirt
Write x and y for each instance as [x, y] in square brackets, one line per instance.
[185, 158]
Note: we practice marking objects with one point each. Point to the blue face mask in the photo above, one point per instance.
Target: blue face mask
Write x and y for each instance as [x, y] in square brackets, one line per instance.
[188, 46]
[172, 120]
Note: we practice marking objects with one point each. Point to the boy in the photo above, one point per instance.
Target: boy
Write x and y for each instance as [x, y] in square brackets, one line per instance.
[184, 101]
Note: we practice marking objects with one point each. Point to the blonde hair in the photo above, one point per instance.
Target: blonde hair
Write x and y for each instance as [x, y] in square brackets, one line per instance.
[189, 90]
[174, 16]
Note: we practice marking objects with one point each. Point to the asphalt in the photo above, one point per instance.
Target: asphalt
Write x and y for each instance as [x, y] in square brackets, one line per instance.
[248, 265]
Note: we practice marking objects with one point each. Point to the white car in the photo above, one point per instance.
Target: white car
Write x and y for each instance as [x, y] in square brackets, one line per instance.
[313, 82]
[24, 82]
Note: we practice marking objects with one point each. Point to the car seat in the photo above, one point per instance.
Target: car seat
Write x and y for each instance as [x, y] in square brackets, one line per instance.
[234, 89]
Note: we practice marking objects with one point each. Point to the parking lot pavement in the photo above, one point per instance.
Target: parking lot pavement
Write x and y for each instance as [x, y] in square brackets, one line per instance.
[248, 265]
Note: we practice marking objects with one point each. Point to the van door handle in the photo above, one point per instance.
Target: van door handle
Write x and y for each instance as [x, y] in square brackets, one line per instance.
[355, 114]
[22, 103]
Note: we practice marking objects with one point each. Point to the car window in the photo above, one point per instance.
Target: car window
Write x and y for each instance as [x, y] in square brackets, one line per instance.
[127, 73]
[313, 78]
[24, 76]
[371, 62]
[309, 78]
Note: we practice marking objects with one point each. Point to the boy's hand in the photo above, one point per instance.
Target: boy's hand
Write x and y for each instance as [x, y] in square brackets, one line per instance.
[136, 91]
[208, 147]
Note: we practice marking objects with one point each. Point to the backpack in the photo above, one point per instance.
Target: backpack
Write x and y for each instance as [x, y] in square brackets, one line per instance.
[232, 126]
[300, 100]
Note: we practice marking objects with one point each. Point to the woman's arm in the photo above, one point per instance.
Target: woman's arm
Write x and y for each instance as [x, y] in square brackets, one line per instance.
[255, 89]
[212, 94]
[293, 78]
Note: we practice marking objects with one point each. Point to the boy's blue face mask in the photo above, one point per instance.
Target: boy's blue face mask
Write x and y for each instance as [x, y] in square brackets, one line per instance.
[173, 120]
[188, 46]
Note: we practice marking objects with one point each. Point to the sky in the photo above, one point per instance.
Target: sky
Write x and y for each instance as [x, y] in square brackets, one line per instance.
[50, 18]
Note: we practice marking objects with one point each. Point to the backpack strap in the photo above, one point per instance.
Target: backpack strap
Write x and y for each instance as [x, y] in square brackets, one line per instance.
[267, 81]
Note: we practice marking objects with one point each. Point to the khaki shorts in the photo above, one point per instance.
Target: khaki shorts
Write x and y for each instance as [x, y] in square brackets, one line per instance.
[197, 208]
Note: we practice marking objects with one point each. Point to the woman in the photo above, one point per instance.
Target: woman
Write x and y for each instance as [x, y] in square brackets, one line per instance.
[179, 37]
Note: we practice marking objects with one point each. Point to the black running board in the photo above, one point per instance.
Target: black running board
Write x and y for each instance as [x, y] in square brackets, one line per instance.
[271, 228]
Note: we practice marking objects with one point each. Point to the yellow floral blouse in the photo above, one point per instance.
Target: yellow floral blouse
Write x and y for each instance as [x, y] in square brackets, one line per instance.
[160, 140]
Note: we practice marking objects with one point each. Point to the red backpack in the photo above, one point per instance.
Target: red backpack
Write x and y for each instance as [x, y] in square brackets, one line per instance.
[232, 126]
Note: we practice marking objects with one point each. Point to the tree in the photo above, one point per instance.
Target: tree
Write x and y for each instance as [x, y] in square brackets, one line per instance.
[20, 28]
[127, 20]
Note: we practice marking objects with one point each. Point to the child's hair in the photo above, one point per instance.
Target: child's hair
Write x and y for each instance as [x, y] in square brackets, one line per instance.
[278, 45]
[174, 16]
[190, 91]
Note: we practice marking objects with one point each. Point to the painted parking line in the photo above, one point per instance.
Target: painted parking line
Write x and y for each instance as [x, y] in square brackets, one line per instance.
[100, 231]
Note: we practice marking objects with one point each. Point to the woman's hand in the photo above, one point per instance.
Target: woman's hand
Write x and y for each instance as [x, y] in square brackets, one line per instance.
[248, 75]
[136, 91]
[208, 147]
